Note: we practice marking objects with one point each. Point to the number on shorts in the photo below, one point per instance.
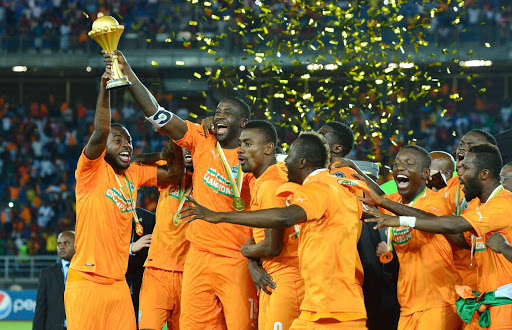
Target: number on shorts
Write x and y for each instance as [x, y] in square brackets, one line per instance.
[278, 326]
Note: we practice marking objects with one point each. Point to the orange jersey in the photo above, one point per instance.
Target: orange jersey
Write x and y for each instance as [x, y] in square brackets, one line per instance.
[169, 244]
[461, 257]
[104, 215]
[453, 193]
[328, 246]
[213, 190]
[264, 197]
[493, 269]
[427, 275]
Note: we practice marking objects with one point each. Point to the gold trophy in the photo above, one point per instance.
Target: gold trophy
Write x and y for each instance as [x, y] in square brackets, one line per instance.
[106, 31]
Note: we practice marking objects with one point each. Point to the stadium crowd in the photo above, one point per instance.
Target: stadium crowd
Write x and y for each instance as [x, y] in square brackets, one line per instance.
[58, 26]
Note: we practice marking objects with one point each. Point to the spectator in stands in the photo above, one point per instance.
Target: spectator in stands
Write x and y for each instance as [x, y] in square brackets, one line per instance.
[506, 176]
[49, 313]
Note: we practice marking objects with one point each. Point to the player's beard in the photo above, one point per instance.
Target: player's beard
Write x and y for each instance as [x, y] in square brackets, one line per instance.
[115, 163]
[472, 188]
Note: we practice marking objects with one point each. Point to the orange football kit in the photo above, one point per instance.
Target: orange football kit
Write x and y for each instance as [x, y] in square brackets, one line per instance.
[96, 295]
[461, 257]
[493, 269]
[329, 260]
[278, 310]
[160, 294]
[427, 275]
[217, 289]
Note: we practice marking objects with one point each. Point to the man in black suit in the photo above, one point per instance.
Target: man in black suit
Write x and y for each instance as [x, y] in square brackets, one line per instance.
[50, 313]
[138, 254]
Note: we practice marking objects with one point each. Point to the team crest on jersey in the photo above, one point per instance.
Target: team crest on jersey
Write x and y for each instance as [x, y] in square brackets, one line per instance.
[402, 235]
[339, 174]
[479, 244]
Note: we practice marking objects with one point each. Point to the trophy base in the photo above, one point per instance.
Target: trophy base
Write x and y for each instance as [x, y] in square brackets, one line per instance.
[116, 83]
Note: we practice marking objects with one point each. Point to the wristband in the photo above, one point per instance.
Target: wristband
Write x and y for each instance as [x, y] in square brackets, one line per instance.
[407, 221]
[161, 117]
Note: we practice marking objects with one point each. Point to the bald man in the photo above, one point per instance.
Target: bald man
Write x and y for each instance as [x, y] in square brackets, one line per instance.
[506, 176]
[444, 164]
[49, 312]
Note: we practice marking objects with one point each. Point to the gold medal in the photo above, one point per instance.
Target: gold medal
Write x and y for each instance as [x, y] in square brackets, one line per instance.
[176, 219]
[238, 204]
[139, 229]
[386, 257]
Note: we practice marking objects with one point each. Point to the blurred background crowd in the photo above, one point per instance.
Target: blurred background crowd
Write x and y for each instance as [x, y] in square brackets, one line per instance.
[56, 25]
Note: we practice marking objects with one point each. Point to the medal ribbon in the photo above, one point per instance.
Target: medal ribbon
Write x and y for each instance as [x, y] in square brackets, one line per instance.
[236, 185]
[391, 233]
[182, 193]
[132, 202]
[473, 237]
[458, 206]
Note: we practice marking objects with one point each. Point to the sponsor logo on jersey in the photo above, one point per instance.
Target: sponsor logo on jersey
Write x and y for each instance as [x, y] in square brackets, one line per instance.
[402, 235]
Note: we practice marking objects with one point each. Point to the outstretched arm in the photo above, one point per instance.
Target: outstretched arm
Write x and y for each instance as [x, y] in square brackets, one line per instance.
[98, 140]
[175, 128]
[281, 217]
[449, 224]
[147, 158]
[173, 171]
[373, 198]
[271, 246]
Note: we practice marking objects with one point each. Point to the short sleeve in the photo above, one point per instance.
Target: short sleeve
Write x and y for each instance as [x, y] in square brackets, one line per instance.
[194, 136]
[143, 175]
[86, 169]
[312, 198]
[492, 216]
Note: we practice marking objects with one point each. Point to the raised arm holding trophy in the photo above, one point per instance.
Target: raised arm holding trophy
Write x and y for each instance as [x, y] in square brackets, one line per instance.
[106, 31]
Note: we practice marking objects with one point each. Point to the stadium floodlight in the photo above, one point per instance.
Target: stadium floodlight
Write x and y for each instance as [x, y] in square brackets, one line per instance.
[475, 63]
[19, 68]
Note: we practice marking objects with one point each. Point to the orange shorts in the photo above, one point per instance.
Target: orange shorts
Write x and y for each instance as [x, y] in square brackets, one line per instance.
[327, 324]
[160, 297]
[278, 310]
[217, 292]
[441, 318]
[91, 305]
